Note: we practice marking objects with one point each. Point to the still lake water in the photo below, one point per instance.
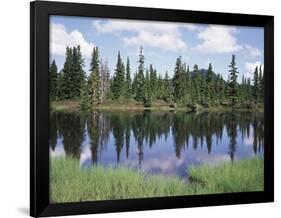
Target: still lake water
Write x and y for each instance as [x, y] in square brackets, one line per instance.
[156, 142]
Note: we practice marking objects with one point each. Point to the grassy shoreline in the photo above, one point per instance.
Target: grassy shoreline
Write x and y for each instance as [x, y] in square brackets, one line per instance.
[73, 105]
[68, 183]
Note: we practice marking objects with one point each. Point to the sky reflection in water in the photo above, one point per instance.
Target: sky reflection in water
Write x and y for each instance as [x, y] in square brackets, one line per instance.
[156, 142]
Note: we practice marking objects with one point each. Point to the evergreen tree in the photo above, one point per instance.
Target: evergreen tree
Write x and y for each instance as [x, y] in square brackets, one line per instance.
[59, 85]
[67, 84]
[128, 88]
[188, 90]
[196, 84]
[261, 81]
[134, 85]
[85, 97]
[94, 78]
[73, 75]
[226, 92]
[53, 79]
[153, 81]
[249, 89]
[110, 92]
[179, 81]
[159, 85]
[81, 73]
[78, 75]
[147, 98]
[202, 88]
[233, 87]
[167, 93]
[119, 79]
[209, 84]
[243, 88]
[256, 85]
[222, 88]
[104, 80]
[140, 92]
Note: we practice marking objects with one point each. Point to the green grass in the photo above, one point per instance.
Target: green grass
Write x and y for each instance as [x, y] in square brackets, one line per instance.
[240, 176]
[71, 184]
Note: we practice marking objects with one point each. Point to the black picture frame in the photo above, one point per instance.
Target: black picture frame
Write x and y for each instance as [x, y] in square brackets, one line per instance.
[39, 107]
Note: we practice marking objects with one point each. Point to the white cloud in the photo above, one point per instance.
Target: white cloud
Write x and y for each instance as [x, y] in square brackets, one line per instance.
[165, 36]
[60, 39]
[164, 164]
[218, 39]
[133, 26]
[250, 68]
[192, 27]
[251, 51]
[166, 42]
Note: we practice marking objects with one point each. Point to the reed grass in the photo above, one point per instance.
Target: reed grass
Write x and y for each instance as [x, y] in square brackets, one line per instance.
[70, 183]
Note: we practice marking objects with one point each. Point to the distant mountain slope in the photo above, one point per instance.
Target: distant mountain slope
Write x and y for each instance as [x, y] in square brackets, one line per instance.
[204, 72]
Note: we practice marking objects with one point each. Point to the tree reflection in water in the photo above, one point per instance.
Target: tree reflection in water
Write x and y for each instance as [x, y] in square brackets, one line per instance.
[143, 130]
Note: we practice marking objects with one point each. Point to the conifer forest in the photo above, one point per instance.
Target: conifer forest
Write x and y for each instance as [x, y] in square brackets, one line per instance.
[189, 86]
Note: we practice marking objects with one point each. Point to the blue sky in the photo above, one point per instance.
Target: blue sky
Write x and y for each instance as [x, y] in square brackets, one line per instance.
[163, 42]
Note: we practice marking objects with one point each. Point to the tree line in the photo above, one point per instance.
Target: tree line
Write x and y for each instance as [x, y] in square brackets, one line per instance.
[185, 88]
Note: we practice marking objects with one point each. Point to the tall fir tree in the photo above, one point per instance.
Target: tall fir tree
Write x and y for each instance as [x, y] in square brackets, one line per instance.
[196, 81]
[202, 88]
[119, 79]
[153, 81]
[73, 76]
[140, 92]
[249, 89]
[128, 83]
[59, 85]
[94, 78]
[104, 80]
[81, 73]
[78, 77]
[261, 81]
[209, 84]
[160, 87]
[167, 92]
[147, 98]
[256, 85]
[53, 78]
[233, 86]
[134, 85]
[67, 84]
[243, 88]
[85, 97]
[188, 90]
[222, 88]
[179, 81]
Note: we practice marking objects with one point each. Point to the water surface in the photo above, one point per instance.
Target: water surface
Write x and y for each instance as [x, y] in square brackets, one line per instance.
[156, 142]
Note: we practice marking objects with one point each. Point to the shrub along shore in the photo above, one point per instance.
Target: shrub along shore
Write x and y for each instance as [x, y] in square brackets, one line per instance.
[70, 183]
[74, 105]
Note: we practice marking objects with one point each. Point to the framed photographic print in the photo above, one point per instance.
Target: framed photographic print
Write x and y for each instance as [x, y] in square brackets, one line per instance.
[141, 109]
